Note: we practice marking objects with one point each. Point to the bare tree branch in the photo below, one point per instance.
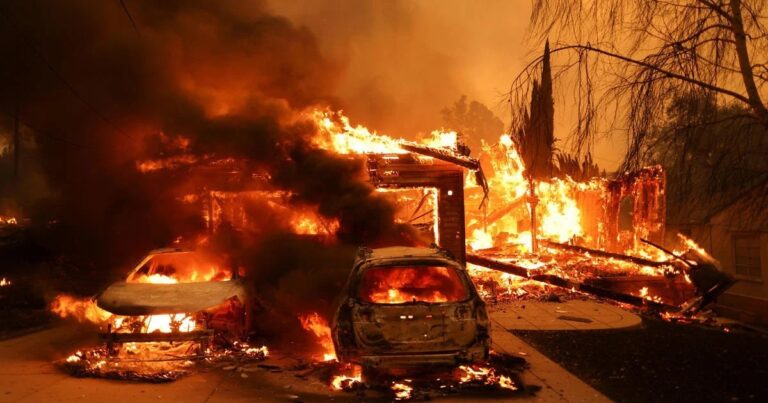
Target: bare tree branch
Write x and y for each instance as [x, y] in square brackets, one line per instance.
[650, 66]
[629, 60]
[755, 102]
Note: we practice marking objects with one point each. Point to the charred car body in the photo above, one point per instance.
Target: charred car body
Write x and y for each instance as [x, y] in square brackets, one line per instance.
[404, 307]
[176, 294]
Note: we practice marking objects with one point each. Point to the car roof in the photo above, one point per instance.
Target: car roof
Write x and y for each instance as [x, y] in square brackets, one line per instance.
[407, 253]
[168, 250]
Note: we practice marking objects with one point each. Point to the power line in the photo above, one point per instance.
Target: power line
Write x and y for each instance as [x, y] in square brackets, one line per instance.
[46, 134]
[130, 18]
[29, 42]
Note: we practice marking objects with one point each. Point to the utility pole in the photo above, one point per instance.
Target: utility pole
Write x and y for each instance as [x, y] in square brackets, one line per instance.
[16, 145]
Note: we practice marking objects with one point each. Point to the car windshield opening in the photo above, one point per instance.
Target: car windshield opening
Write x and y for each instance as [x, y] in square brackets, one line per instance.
[404, 284]
[180, 267]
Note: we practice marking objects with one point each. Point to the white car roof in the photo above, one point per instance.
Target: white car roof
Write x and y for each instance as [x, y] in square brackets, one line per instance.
[403, 254]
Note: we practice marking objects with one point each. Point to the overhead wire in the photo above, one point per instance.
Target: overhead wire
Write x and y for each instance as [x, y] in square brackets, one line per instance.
[67, 84]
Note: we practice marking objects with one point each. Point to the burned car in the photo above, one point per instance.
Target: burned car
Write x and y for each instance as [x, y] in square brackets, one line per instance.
[176, 294]
[405, 307]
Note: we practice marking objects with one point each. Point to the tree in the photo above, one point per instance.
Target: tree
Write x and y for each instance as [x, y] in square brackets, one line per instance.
[626, 58]
[579, 169]
[705, 173]
[474, 121]
[537, 137]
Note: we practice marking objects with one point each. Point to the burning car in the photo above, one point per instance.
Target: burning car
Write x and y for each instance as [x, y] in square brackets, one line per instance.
[175, 294]
[404, 307]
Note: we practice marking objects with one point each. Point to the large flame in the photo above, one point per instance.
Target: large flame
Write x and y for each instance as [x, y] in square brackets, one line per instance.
[337, 134]
[558, 214]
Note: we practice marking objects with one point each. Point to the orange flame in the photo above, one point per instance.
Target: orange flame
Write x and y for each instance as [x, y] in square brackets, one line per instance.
[351, 376]
[400, 284]
[402, 390]
[306, 224]
[316, 324]
[484, 375]
[81, 309]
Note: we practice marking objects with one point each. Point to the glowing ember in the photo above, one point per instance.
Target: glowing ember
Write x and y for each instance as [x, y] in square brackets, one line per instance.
[8, 220]
[476, 374]
[97, 363]
[402, 390]
[505, 382]
[4, 282]
[250, 351]
[350, 378]
[316, 324]
[155, 361]
[168, 163]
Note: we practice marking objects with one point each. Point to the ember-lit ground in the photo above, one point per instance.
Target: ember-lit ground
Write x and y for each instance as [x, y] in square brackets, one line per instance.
[605, 354]
[28, 375]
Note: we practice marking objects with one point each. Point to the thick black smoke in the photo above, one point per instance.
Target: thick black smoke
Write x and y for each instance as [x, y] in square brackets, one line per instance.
[98, 89]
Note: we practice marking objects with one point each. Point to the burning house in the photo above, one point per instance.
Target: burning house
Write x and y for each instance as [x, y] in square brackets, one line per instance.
[485, 223]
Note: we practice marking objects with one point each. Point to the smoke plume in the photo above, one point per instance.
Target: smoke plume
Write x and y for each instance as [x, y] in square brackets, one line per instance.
[99, 87]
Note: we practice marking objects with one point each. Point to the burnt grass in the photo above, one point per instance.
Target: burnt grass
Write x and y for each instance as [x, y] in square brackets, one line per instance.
[662, 361]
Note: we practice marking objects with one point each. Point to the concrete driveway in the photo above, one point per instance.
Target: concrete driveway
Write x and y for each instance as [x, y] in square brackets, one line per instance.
[28, 375]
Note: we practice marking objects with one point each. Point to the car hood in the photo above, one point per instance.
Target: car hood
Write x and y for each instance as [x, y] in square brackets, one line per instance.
[149, 299]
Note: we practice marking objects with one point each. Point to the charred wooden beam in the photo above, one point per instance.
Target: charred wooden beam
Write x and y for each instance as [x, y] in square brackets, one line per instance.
[667, 251]
[460, 160]
[568, 284]
[505, 267]
[456, 159]
[600, 253]
[197, 335]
